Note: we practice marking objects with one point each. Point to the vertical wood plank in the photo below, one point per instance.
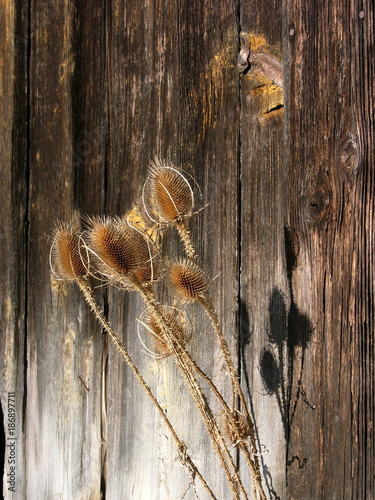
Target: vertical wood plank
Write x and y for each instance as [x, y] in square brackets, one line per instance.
[13, 219]
[262, 271]
[64, 345]
[173, 93]
[331, 209]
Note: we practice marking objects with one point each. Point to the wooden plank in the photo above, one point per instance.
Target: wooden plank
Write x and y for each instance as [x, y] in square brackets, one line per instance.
[173, 93]
[331, 207]
[13, 196]
[90, 95]
[262, 272]
[64, 344]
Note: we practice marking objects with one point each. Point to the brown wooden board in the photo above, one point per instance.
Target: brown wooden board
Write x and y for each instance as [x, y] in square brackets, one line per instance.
[330, 155]
[173, 93]
[263, 216]
[282, 147]
[13, 240]
[62, 429]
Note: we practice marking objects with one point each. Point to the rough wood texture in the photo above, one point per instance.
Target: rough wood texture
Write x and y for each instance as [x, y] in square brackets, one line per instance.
[262, 218]
[89, 94]
[13, 223]
[172, 93]
[330, 140]
[66, 162]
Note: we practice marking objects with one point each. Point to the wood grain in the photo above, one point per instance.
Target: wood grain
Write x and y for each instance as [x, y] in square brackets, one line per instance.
[13, 224]
[331, 208]
[262, 271]
[173, 93]
[90, 93]
[64, 344]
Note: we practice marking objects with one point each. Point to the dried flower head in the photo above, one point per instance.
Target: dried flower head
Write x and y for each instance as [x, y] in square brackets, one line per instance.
[187, 279]
[226, 425]
[119, 250]
[176, 320]
[67, 260]
[167, 193]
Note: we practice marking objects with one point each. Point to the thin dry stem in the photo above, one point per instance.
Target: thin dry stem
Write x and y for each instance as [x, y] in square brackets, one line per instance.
[184, 363]
[236, 387]
[253, 463]
[231, 421]
[185, 459]
[184, 233]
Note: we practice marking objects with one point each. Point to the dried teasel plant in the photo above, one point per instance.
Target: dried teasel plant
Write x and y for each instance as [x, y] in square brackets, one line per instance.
[156, 338]
[169, 193]
[119, 256]
[234, 427]
[168, 198]
[187, 279]
[190, 283]
[122, 253]
[67, 262]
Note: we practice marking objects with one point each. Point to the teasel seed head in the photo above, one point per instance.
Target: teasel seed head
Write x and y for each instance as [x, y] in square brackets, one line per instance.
[67, 258]
[120, 251]
[187, 279]
[167, 194]
[176, 320]
[227, 430]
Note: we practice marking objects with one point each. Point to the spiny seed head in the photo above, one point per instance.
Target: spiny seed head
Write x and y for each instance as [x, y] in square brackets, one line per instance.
[176, 321]
[228, 431]
[168, 193]
[67, 258]
[119, 250]
[187, 279]
[147, 273]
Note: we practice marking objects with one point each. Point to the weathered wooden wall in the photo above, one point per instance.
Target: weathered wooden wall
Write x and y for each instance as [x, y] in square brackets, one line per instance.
[89, 93]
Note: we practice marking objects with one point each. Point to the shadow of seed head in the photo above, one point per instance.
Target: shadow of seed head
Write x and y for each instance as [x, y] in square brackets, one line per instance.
[67, 259]
[167, 194]
[270, 371]
[277, 310]
[300, 329]
[118, 250]
[187, 279]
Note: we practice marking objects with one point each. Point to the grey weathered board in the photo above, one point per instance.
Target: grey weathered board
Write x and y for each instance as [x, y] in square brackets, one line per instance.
[90, 92]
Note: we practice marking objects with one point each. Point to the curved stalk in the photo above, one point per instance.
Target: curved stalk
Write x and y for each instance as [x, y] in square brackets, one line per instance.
[184, 362]
[236, 386]
[253, 463]
[185, 459]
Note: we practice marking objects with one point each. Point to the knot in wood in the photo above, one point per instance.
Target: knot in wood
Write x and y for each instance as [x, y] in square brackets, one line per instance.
[349, 155]
[317, 203]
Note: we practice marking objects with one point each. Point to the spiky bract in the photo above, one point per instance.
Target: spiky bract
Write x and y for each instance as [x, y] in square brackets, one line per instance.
[187, 279]
[168, 193]
[176, 321]
[67, 258]
[119, 251]
[234, 429]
